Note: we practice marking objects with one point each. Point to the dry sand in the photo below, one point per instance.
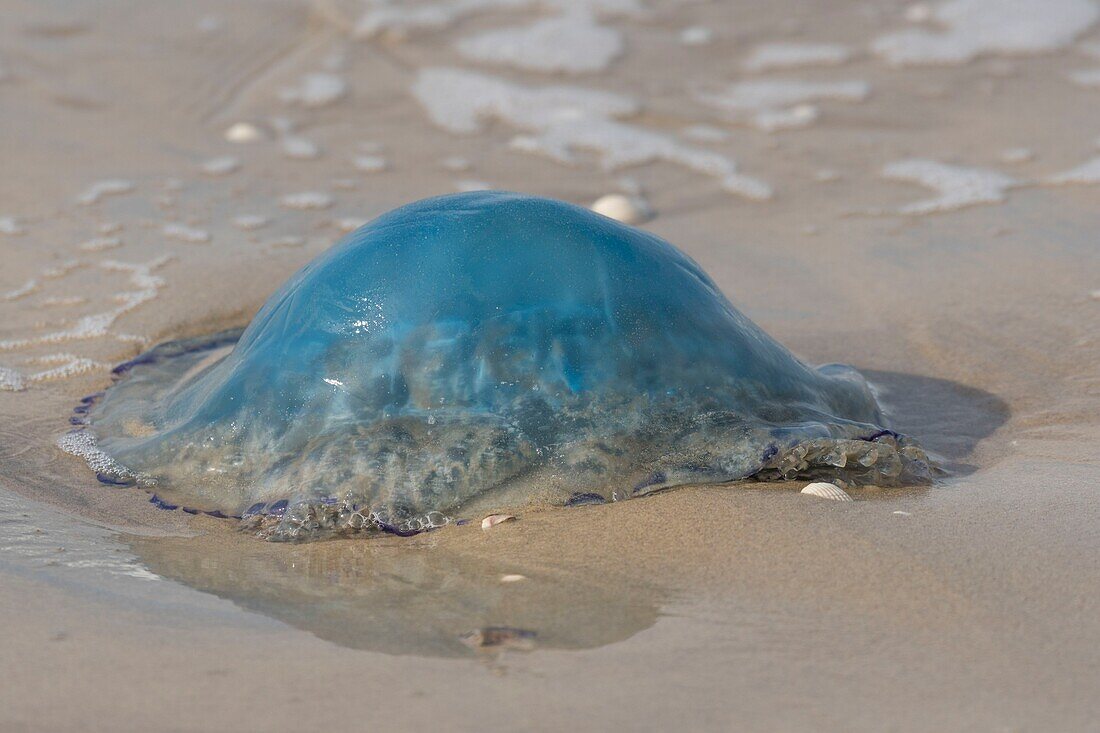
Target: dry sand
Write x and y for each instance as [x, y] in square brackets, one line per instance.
[973, 604]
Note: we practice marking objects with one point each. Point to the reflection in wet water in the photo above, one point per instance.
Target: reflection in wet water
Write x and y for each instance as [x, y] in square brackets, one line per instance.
[461, 592]
[566, 579]
[406, 596]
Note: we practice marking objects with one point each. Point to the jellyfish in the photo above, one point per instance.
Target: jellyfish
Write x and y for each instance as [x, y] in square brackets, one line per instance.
[475, 352]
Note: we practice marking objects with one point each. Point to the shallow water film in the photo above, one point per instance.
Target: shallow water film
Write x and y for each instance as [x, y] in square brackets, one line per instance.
[477, 351]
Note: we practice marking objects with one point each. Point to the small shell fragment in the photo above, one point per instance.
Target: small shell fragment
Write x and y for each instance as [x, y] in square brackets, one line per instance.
[824, 490]
[494, 519]
[627, 209]
[243, 132]
[512, 578]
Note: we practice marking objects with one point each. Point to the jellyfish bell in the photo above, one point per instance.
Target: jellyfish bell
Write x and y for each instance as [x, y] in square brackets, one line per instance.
[479, 351]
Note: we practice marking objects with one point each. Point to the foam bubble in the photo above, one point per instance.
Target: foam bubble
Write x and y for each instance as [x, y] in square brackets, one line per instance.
[918, 13]
[222, 166]
[63, 269]
[146, 287]
[307, 200]
[22, 291]
[318, 89]
[64, 301]
[370, 163]
[249, 222]
[958, 187]
[705, 134]
[469, 184]
[11, 380]
[562, 119]
[768, 56]
[401, 19]
[100, 244]
[288, 242]
[696, 35]
[1085, 77]
[1016, 155]
[972, 28]
[300, 148]
[210, 24]
[349, 224]
[782, 103]
[456, 163]
[107, 187]
[572, 43]
[10, 226]
[82, 444]
[184, 233]
[1087, 173]
[64, 366]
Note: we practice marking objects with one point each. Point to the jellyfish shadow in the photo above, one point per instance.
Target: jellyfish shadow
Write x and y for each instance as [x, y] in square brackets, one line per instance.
[405, 597]
[947, 418]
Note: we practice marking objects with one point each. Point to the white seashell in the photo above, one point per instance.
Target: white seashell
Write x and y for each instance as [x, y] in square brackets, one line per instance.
[627, 209]
[902, 514]
[494, 519]
[243, 132]
[824, 490]
[514, 578]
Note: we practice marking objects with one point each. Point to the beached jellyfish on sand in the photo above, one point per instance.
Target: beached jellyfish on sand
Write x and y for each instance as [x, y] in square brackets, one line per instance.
[474, 352]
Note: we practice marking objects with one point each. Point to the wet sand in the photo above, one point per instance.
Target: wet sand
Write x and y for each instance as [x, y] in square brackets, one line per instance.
[970, 604]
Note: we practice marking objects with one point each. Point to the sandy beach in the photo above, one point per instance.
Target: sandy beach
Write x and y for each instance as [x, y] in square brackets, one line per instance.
[909, 188]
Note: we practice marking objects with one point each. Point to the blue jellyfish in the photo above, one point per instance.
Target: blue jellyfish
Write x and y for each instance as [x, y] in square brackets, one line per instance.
[474, 352]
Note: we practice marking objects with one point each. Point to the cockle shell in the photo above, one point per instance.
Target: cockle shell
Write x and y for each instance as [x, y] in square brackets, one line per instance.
[824, 490]
[494, 519]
